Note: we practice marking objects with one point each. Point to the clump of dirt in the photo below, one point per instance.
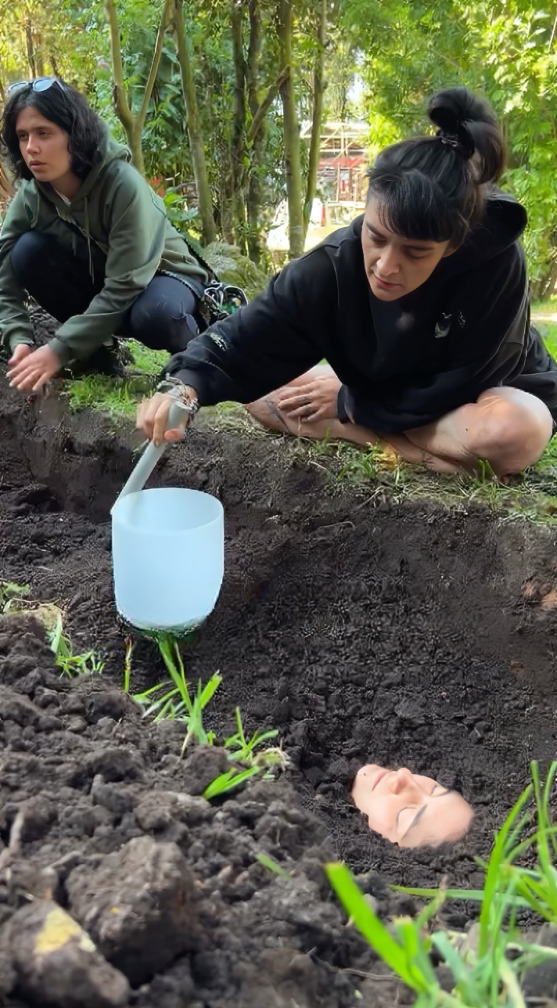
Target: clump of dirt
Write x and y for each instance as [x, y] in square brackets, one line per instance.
[121, 885]
[404, 635]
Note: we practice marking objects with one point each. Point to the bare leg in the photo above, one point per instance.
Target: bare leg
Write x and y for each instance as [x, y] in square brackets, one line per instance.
[266, 411]
[506, 426]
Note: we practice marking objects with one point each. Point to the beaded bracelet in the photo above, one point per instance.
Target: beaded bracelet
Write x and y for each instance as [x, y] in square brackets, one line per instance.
[176, 388]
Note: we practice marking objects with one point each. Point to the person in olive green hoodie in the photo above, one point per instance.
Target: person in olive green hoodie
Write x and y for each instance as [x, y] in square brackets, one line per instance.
[88, 239]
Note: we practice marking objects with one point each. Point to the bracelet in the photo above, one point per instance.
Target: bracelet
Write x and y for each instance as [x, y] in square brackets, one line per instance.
[176, 388]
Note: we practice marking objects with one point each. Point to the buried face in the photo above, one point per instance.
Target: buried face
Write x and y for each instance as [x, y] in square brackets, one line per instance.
[409, 809]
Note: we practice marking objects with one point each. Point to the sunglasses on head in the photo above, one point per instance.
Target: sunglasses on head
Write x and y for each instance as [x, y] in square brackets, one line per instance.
[38, 84]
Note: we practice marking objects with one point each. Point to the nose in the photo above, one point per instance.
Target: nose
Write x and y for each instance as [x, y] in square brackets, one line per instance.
[32, 143]
[387, 264]
[400, 780]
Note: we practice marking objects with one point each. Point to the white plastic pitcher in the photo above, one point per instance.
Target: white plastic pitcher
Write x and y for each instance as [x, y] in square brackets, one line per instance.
[167, 549]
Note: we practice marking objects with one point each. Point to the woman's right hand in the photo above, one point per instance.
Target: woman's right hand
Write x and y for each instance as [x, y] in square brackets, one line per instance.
[152, 417]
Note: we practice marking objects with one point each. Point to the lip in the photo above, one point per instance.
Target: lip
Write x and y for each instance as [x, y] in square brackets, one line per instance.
[383, 283]
[379, 777]
[37, 164]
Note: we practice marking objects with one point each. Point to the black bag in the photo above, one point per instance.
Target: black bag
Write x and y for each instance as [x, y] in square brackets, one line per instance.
[220, 300]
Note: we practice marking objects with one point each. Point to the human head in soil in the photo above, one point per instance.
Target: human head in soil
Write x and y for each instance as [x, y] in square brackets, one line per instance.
[61, 104]
[409, 809]
[432, 188]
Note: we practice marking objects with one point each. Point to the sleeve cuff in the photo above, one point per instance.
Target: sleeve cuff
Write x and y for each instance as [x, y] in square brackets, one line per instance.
[61, 350]
[193, 379]
[342, 405]
[17, 341]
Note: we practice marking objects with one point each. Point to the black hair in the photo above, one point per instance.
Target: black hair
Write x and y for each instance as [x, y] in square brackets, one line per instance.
[69, 109]
[433, 187]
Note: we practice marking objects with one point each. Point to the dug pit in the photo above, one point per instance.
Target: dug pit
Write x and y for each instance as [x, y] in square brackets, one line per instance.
[408, 634]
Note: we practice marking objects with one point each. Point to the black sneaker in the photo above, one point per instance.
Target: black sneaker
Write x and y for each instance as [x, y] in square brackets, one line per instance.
[106, 360]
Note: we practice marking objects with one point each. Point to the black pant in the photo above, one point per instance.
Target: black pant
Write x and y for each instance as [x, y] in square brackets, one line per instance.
[161, 317]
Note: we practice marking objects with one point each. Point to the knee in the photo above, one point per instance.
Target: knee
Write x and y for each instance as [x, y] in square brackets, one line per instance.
[157, 323]
[510, 431]
[28, 255]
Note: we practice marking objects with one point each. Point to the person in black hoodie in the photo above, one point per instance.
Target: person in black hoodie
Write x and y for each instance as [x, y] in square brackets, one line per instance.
[420, 308]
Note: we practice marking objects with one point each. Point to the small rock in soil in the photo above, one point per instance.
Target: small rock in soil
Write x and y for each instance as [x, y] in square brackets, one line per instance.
[57, 964]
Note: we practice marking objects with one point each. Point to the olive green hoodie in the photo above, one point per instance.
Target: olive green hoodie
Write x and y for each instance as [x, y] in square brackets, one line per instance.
[117, 225]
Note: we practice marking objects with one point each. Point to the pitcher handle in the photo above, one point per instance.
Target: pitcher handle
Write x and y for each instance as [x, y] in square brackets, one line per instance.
[140, 474]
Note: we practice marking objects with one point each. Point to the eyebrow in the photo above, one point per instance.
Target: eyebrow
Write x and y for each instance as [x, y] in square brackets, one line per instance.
[379, 234]
[421, 811]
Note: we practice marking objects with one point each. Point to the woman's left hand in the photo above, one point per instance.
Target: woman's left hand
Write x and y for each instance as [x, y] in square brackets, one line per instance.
[317, 400]
[34, 370]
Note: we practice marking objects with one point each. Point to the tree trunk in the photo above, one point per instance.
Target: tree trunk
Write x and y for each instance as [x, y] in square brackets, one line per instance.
[254, 188]
[30, 47]
[133, 124]
[317, 116]
[208, 231]
[291, 132]
[238, 152]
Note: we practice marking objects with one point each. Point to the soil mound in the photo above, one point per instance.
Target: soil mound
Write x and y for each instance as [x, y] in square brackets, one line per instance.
[406, 635]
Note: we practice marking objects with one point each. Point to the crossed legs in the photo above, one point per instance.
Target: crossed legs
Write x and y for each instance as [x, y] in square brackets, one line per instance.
[505, 426]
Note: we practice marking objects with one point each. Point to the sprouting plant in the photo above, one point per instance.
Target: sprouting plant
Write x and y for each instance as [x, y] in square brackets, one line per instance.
[174, 700]
[70, 663]
[177, 702]
[239, 747]
[11, 595]
[128, 664]
[273, 866]
[228, 781]
[488, 976]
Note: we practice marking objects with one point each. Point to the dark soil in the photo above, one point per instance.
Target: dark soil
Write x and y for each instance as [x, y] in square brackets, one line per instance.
[401, 635]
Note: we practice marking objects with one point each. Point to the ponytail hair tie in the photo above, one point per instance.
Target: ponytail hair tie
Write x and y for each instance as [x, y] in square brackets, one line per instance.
[461, 141]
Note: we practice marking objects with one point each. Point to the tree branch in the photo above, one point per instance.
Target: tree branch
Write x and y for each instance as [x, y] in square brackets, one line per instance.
[163, 25]
[119, 98]
[266, 103]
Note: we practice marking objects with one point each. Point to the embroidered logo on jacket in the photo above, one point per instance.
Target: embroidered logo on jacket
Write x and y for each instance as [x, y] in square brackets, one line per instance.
[218, 339]
[443, 326]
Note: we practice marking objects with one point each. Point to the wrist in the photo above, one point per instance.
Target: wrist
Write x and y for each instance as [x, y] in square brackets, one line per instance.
[185, 394]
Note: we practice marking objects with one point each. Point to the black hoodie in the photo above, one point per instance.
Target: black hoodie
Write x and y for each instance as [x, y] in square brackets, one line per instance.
[403, 363]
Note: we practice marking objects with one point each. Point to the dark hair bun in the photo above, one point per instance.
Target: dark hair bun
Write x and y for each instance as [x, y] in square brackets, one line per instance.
[470, 120]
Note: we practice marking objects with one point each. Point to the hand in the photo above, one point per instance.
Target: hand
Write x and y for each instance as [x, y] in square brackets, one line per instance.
[317, 400]
[29, 371]
[20, 351]
[152, 417]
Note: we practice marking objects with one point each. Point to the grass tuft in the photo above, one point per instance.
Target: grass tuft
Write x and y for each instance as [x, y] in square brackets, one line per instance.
[489, 975]
[174, 699]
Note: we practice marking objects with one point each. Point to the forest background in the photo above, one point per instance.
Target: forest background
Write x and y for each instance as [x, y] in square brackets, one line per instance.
[210, 95]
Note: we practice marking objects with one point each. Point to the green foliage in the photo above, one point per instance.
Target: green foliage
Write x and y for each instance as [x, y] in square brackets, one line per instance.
[486, 975]
[506, 50]
[69, 663]
[175, 701]
[11, 595]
